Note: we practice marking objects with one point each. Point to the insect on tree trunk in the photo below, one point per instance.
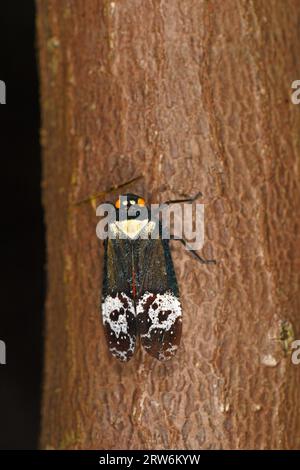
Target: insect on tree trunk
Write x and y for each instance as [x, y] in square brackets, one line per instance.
[196, 96]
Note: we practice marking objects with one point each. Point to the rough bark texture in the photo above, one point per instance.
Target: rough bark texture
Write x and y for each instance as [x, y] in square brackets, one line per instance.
[196, 95]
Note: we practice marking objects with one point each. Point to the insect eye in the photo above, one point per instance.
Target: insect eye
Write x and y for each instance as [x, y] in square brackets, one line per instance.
[141, 201]
[117, 204]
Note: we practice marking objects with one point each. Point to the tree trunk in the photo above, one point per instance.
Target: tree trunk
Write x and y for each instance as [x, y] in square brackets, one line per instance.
[196, 95]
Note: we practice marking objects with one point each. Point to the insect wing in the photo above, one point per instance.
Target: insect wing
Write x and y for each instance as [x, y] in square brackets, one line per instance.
[118, 310]
[159, 314]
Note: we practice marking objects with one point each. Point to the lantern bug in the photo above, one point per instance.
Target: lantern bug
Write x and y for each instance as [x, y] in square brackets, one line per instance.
[140, 295]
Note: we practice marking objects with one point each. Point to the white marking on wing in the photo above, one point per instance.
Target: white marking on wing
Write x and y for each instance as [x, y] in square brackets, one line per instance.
[165, 302]
[115, 303]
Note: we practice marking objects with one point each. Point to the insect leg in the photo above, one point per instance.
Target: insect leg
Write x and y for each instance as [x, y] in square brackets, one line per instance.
[193, 252]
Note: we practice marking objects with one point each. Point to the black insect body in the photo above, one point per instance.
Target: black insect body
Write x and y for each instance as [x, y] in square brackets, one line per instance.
[140, 295]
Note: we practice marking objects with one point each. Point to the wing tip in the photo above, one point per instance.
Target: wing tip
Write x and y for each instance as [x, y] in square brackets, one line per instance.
[119, 325]
[159, 318]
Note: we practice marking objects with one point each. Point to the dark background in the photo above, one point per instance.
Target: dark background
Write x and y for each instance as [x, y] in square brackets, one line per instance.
[22, 239]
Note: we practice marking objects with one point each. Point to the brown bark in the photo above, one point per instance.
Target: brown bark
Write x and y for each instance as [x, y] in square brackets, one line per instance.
[196, 95]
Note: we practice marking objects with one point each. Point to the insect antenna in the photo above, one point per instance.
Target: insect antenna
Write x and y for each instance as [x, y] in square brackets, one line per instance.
[93, 198]
[189, 200]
